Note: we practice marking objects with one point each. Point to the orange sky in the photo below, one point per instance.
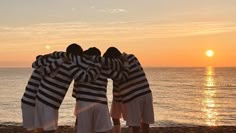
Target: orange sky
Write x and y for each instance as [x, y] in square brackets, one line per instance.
[160, 33]
[174, 51]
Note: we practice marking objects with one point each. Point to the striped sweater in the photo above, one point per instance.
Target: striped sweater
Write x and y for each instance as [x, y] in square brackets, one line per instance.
[53, 88]
[95, 91]
[46, 66]
[45, 60]
[50, 63]
[136, 84]
[114, 64]
[31, 89]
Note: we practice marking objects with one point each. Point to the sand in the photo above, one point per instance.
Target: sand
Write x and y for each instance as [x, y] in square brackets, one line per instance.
[199, 129]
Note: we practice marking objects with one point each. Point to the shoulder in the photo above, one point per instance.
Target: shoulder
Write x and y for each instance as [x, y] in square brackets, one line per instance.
[131, 57]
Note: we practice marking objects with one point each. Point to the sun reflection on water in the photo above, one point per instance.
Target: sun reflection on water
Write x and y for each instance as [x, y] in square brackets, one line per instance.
[208, 100]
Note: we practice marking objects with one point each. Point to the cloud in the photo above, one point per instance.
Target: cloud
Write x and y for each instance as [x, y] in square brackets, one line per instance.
[120, 31]
[113, 11]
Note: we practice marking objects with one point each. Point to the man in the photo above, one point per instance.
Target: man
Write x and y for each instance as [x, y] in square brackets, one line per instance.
[92, 110]
[133, 99]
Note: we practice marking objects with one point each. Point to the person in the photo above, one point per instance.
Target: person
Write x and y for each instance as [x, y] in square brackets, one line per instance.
[114, 53]
[28, 99]
[54, 85]
[29, 96]
[91, 110]
[132, 99]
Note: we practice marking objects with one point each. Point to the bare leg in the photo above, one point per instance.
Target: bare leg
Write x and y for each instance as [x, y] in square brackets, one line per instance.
[134, 129]
[75, 127]
[144, 128]
[116, 128]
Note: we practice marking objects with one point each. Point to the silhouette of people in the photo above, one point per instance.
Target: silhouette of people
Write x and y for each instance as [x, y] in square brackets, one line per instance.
[53, 74]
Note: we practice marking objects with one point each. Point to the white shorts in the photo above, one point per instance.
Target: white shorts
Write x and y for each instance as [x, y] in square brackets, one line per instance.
[46, 117]
[118, 111]
[93, 117]
[140, 110]
[28, 115]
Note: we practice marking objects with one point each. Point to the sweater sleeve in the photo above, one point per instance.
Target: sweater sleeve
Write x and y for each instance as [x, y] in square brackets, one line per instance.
[40, 61]
[43, 60]
[121, 75]
[86, 75]
[137, 62]
[53, 66]
[112, 63]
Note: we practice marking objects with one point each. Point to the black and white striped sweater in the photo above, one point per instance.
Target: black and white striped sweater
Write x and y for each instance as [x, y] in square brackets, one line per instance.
[95, 91]
[50, 63]
[32, 87]
[47, 66]
[53, 87]
[136, 84]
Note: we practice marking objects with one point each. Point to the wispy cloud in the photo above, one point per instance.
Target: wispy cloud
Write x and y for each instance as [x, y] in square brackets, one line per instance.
[108, 10]
[112, 11]
[59, 32]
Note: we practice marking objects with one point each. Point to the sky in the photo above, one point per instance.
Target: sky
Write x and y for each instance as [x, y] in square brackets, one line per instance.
[161, 33]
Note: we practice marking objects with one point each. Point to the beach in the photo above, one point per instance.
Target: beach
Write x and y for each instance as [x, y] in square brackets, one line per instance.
[197, 129]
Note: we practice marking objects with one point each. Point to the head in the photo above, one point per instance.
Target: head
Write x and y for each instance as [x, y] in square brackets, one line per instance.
[74, 49]
[112, 52]
[93, 51]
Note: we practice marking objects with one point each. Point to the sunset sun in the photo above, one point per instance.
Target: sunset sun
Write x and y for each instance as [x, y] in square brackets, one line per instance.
[48, 47]
[209, 53]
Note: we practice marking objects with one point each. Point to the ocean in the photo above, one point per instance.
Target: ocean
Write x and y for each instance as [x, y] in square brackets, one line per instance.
[204, 96]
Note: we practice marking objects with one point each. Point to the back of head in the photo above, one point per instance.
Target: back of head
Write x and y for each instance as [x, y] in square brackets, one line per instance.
[93, 51]
[74, 49]
[112, 52]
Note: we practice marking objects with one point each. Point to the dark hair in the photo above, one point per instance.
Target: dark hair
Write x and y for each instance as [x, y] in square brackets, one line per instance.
[92, 51]
[112, 52]
[74, 49]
